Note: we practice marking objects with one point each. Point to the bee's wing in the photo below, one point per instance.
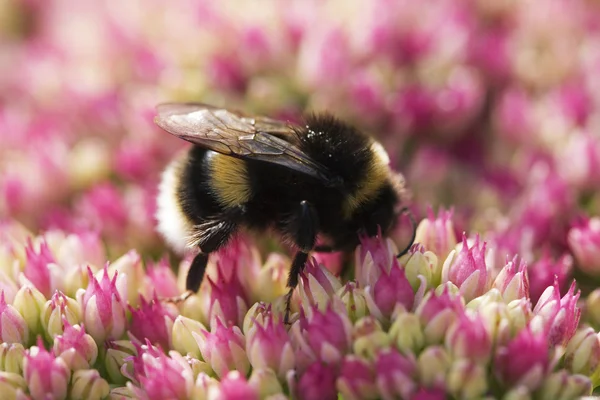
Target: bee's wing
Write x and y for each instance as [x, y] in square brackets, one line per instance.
[229, 133]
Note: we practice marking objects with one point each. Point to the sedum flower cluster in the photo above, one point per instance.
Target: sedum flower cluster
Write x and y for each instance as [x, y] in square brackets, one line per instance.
[488, 108]
[443, 320]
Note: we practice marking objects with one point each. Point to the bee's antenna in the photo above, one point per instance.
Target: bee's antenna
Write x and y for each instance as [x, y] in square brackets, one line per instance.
[407, 211]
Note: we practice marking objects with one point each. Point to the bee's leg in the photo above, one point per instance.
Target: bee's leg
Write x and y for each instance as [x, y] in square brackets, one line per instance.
[303, 227]
[211, 236]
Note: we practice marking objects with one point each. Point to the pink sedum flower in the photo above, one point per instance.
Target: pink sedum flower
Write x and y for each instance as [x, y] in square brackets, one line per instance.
[45, 374]
[152, 321]
[317, 382]
[233, 386]
[390, 291]
[103, 308]
[395, 374]
[524, 360]
[268, 346]
[468, 338]
[317, 285]
[584, 241]
[513, 281]
[559, 316]
[58, 311]
[373, 256]
[324, 336]
[437, 233]
[159, 376]
[76, 347]
[228, 299]
[13, 328]
[38, 267]
[437, 313]
[467, 269]
[545, 271]
[357, 379]
[161, 280]
[223, 349]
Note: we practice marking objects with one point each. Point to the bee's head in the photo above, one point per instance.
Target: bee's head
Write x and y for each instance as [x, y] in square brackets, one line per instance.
[381, 213]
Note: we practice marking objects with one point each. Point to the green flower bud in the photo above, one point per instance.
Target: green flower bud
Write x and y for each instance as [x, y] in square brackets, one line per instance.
[433, 363]
[88, 384]
[406, 332]
[467, 379]
[29, 302]
[11, 357]
[183, 341]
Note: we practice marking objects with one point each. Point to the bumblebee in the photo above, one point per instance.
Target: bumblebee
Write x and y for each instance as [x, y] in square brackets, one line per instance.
[321, 180]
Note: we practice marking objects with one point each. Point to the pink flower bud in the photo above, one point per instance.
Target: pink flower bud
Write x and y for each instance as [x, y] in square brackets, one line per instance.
[584, 241]
[13, 328]
[513, 281]
[228, 299]
[317, 285]
[373, 256]
[524, 360]
[233, 386]
[160, 376]
[560, 316]
[437, 233]
[161, 280]
[543, 273]
[357, 379]
[45, 374]
[269, 346]
[324, 336]
[37, 267]
[129, 267]
[81, 248]
[238, 261]
[467, 269]
[223, 348]
[103, 308]
[390, 290]
[437, 313]
[396, 374]
[77, 348]
[469, 338]
[153, 321]
[88, 385]
[58, 310]
[317, 382]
